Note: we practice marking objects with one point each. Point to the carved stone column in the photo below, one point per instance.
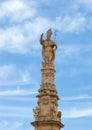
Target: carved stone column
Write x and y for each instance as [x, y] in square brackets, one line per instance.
[46, 114]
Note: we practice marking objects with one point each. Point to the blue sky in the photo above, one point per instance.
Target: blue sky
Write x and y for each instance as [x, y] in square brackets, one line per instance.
[21, 23]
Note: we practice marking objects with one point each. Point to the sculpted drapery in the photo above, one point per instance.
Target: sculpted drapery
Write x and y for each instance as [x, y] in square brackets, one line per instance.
[48, 47]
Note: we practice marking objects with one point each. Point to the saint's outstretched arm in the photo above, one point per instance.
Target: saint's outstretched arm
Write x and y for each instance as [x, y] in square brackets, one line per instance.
[41, 39]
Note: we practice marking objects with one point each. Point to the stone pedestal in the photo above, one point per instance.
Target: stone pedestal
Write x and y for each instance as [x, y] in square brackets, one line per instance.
[47, 116]
[47, 125]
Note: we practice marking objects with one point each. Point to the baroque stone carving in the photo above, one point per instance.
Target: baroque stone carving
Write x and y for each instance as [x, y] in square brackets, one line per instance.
[49, 47]
[36, 112]
[45, 101]
[59, 115]
[46, 113]
[53, 110]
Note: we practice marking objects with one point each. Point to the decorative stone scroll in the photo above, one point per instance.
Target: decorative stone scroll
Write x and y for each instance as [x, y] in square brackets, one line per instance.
[36, 112]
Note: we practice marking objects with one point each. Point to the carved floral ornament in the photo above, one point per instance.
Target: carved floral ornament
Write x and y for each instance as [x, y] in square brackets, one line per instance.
[45, 101]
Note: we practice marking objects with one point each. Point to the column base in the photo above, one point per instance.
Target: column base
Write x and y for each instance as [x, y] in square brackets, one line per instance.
[47, 125]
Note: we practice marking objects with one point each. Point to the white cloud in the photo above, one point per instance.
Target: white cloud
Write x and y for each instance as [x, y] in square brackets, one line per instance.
[85, 2]
[11, 125]
[77, 113]
[5, 71]
[17, 124]
[18, 39]
[73, 50]
[17, 114]
[20, 98]
[70, 24]
[24, 38]
[26, 76]
[16, 111]
[3, 123]
[17, 92]
[46, 2]
[16, 10]
[14, 41]
[12, 75]
[73, 56]
[15, 108]
[69, 50]
[80, 97]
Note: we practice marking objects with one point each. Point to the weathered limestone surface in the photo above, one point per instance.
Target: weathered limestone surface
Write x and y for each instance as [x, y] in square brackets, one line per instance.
[46, 114]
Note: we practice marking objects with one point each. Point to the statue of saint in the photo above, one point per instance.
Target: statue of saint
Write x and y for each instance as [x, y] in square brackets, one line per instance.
[49, 48]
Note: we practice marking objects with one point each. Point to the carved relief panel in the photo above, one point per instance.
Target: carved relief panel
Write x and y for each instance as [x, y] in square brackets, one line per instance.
[48, 78]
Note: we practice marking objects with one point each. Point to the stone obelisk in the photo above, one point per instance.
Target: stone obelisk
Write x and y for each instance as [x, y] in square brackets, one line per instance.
[46, 114]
